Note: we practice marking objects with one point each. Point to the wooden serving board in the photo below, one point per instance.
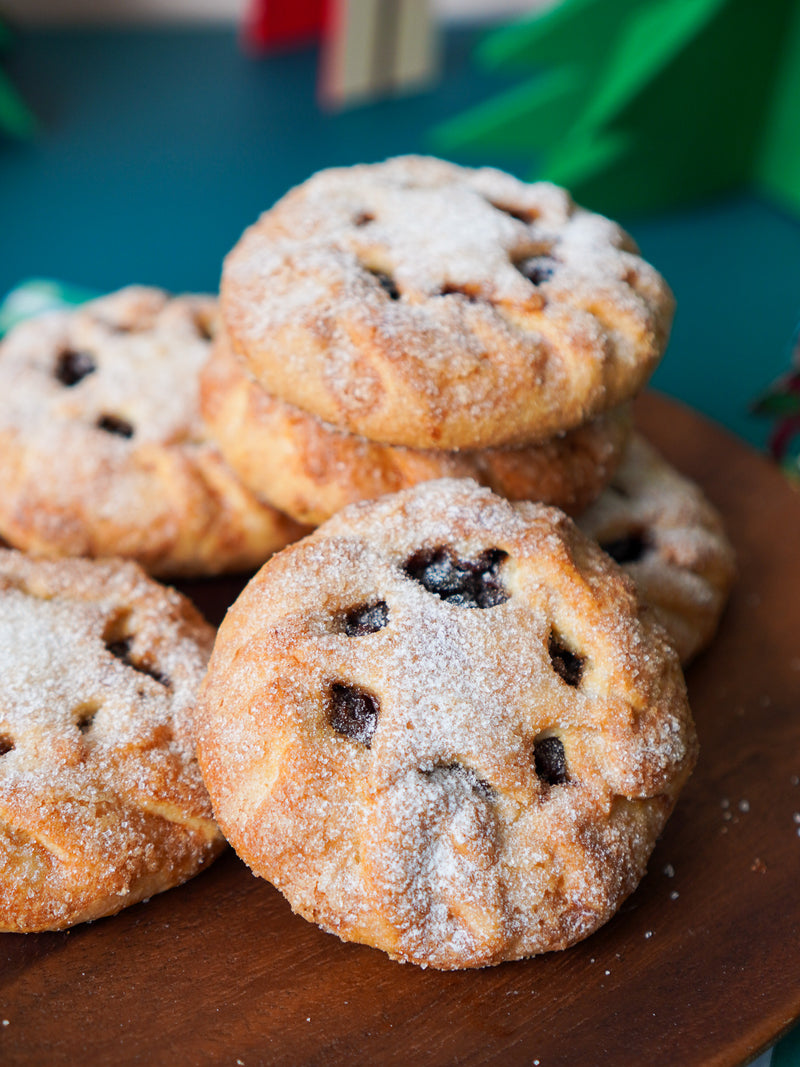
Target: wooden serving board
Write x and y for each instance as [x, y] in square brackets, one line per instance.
[700, 966]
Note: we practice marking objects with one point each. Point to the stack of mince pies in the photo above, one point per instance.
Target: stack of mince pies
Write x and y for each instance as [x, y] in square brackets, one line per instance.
[446, 723]
[389, 324]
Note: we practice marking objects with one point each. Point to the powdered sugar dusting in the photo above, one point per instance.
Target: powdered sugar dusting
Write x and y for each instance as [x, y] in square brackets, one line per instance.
[146, 362]
[103, 448]
[311, 469]
[441, 834]
[673, 543]
[416, 274]
[100, 671]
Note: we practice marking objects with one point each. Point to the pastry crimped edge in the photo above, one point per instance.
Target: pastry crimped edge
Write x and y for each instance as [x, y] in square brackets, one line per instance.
[153, 487]
[102, 803]
[677, 550]
[307, 809]
[310, 469]
[390, 300]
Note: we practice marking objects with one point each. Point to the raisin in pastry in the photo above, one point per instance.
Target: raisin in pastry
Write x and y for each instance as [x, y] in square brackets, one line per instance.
[660, 527]
[101, 799]
[444, 725]
[419, 303]
[102, 447]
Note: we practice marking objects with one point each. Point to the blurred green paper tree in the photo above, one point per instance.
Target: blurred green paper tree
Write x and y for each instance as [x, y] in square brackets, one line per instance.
[636, 105]
[15, 118]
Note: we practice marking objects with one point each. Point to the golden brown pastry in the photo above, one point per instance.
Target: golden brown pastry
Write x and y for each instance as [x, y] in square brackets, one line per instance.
[310, 469]
[420, 303]
[101, 799]
[444, 725]
[663, 531]
[102, 448]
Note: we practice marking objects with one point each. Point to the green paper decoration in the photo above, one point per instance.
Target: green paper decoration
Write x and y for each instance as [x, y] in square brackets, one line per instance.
[15, 118]
[637, 105]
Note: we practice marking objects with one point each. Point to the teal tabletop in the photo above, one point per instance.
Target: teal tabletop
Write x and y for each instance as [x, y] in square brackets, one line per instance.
[156, 148]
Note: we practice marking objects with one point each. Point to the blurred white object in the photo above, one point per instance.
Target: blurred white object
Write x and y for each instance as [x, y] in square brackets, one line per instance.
[377, 48]
[44, 12]
[66, 12]
[484, 10]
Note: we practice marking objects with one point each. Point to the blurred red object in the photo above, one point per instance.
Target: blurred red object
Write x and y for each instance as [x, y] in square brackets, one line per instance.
[283, 23]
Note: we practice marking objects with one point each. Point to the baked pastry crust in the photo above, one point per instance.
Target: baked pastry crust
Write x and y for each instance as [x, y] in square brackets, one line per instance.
[102, 448]
[671, 541]
[310, 469]
[423, 304]
[443, 725]
[101, 799]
